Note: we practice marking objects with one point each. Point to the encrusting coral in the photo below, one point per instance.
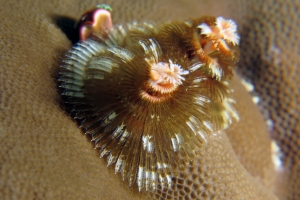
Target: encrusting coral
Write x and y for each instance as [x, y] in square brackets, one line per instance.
[146, 93]
[44, 155]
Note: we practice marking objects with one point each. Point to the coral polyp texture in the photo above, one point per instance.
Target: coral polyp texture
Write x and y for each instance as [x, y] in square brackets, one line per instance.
[148, 94]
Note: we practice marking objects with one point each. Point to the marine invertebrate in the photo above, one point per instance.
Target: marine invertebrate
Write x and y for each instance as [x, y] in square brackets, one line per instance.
[142, 103]
[95, 21]
[32, 122]
[220, 31]
[212, 40]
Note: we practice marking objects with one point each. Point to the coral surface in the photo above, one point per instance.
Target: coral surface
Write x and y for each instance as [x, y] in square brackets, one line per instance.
[44, 156]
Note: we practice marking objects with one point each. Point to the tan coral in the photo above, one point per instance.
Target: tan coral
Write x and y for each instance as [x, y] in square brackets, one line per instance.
[42, 152]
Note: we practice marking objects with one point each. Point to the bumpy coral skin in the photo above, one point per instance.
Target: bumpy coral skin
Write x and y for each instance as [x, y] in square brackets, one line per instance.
[40, 142]
[144, 104]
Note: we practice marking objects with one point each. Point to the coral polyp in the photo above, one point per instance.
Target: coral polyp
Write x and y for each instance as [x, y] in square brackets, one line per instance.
[146, 93]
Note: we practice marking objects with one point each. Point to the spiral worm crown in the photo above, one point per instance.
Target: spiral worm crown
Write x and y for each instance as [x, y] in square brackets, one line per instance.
[146, 93]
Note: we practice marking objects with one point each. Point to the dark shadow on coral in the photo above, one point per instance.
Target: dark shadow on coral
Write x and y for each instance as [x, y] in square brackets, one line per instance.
[255, 64]
[68, 26]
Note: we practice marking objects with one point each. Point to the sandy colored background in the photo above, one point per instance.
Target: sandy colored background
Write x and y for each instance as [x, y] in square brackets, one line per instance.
[45, 156]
